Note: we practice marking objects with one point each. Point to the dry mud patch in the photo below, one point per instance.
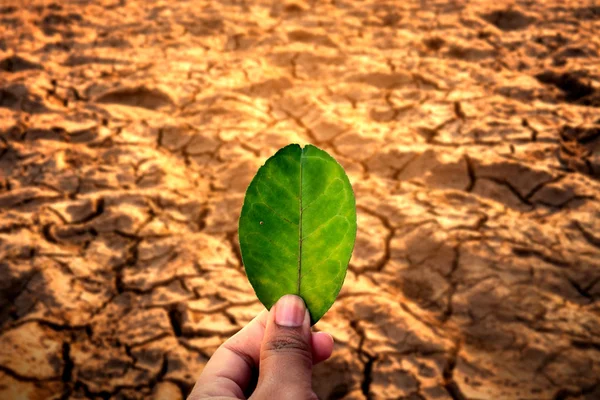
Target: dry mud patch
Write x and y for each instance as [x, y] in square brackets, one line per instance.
[471, 133]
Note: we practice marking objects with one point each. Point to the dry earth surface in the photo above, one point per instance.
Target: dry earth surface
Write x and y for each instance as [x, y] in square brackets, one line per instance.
[129, 131]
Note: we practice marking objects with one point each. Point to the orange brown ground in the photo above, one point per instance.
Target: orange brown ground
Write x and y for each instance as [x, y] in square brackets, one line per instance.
[129, 131]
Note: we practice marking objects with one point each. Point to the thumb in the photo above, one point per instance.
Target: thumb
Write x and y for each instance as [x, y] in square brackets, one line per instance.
[285, 356]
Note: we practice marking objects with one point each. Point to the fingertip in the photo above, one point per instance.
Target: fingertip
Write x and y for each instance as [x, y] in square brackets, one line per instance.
[322, 346]
[291, 312]
[325, 337]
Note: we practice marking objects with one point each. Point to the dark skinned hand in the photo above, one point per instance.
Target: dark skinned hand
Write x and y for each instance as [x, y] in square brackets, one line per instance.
[279, 346]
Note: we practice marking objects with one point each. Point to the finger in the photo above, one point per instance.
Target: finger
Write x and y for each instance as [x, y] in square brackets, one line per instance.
[286, 354]
[322, 346]
[244, 346]
[229, 370]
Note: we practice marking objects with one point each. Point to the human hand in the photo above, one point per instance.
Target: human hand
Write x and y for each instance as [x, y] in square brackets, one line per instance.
[279, 345]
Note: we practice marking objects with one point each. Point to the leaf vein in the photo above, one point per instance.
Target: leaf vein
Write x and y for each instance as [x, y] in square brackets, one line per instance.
[270, 241]
[320, 226]
[274, 212]
[330, 254]
[323, 192]
[326, 282]
[276, 183]
[300, 224]
[317, 157]
[264, 201]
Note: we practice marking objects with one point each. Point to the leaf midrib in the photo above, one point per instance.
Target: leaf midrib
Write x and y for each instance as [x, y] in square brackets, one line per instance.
[300, 224]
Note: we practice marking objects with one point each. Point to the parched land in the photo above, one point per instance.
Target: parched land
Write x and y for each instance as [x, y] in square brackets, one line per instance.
[470, 131]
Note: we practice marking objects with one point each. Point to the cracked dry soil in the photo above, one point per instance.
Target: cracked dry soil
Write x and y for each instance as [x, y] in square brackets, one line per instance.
[129, 131]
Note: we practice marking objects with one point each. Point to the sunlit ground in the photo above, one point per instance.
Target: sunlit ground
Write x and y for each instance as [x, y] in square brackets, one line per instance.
[129, 131]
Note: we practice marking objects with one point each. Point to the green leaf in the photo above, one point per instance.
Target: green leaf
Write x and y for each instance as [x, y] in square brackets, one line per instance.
[297, 228]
